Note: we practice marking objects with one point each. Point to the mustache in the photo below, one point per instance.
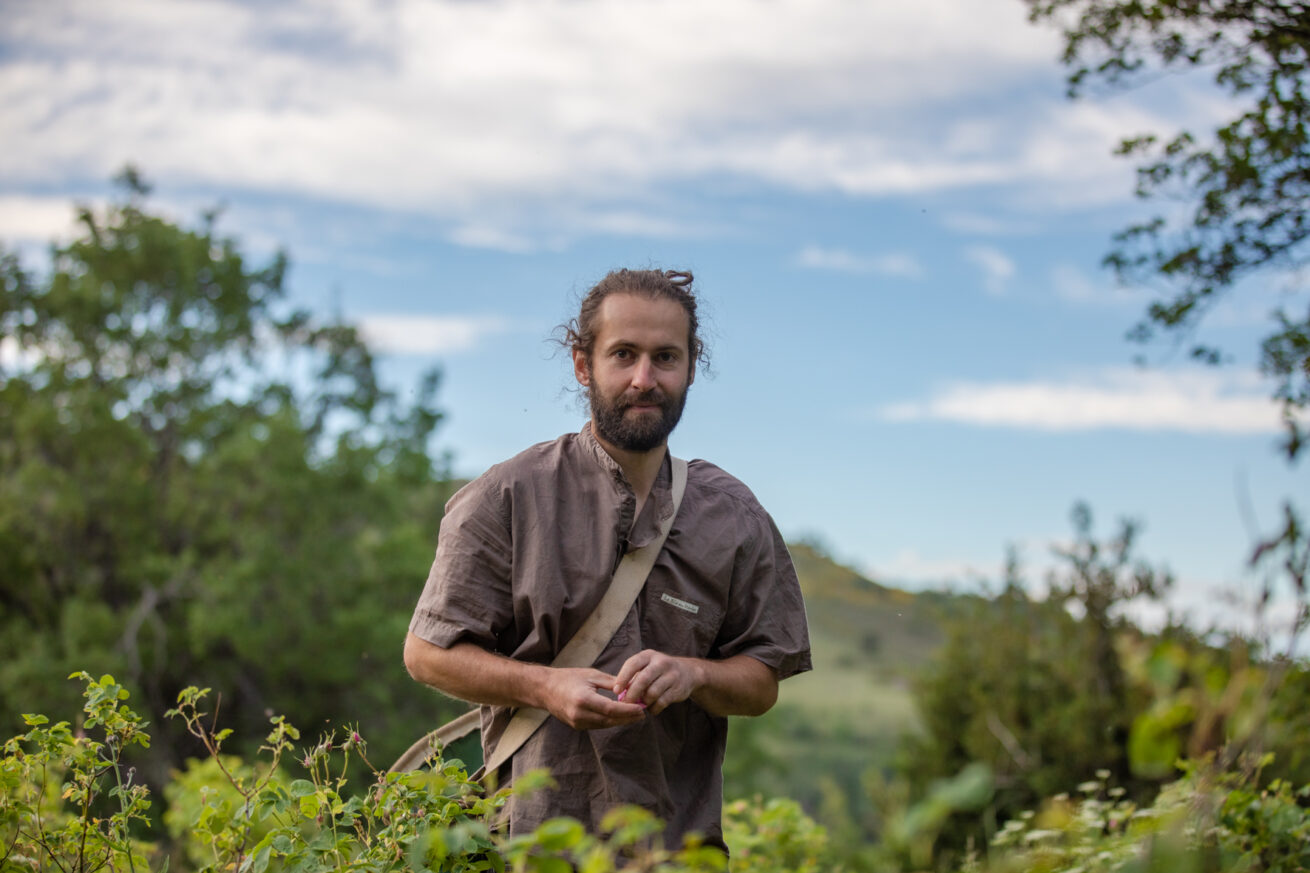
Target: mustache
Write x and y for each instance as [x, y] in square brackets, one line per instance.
[653, 396]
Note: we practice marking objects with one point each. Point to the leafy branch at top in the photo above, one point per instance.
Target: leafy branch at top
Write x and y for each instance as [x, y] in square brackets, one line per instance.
[1247, 183]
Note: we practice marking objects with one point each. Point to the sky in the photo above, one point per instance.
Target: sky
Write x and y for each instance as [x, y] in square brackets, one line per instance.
[894, 214]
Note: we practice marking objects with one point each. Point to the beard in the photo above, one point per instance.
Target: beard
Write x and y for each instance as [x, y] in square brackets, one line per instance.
[641, 432]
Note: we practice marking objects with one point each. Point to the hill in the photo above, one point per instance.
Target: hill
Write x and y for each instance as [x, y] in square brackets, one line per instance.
[869, 641]
[831, 725]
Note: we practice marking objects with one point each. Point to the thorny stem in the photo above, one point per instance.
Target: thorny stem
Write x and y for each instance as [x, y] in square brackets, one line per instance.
[206, 737]
[9, 851]
[367, 762]
[40, 826]
[86, 824]
[37, 838]
[122, 805]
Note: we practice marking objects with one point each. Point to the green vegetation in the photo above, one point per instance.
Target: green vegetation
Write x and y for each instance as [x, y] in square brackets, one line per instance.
[68, 802]
[199, 484]
[1234, 199]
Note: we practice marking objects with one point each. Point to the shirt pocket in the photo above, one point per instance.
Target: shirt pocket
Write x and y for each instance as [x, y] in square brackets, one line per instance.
[680, 622]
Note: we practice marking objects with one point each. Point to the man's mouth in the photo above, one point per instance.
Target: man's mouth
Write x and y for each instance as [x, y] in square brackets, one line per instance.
[645, 403]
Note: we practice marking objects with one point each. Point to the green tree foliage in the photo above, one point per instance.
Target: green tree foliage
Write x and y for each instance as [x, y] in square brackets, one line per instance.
[1054, 693]
[1033, 691]
[1247, 181]
[198, 483]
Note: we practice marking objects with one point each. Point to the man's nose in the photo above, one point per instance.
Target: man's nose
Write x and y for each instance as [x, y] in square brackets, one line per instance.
[643, 375]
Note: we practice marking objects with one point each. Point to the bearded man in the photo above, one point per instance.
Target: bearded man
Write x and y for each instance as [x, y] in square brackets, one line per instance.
[526, 552]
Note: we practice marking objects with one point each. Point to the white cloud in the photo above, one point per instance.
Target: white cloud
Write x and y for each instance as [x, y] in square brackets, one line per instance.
[996, 266]
[1195, 401]
[427, 335]
[840, 260]
[35, 219]
[487, 236]
[537, 112]
[908, 566]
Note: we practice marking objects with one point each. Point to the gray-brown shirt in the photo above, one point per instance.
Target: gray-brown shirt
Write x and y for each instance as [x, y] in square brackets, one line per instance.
[524, 554]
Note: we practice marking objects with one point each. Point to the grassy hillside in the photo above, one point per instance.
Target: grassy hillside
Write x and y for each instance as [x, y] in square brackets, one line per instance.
[846, 716]
[868, 641]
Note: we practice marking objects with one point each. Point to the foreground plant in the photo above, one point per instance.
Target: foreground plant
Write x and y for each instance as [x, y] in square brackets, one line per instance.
[1207, 821]
[69, 802]
[66, 800]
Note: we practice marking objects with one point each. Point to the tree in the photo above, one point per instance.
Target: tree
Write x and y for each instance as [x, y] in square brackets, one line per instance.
[1248, 181]
[1034, 688]
[201, 485]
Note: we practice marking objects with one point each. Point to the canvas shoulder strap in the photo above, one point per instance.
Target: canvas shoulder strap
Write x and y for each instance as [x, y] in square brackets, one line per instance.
[580, 651]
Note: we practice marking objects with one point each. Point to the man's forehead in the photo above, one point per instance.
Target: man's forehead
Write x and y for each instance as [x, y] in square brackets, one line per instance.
[632, 317]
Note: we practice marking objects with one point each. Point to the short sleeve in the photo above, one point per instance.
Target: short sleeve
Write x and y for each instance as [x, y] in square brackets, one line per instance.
[766, 614]
[467, 596]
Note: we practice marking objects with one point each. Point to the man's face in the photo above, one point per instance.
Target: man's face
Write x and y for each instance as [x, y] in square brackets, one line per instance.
[639, 371]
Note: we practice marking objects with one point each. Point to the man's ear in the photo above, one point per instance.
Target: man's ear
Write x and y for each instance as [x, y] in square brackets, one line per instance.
[581, 371]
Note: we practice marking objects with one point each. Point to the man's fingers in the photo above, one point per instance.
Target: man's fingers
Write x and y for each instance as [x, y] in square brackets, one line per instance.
[584, 703]
[655, 679]
[614, 709]
[630, 669]
[600, 680]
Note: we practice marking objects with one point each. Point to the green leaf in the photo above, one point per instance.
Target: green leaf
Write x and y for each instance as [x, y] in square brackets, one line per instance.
[549, 865]
[259, 862]
[557, 834]
[302, 788]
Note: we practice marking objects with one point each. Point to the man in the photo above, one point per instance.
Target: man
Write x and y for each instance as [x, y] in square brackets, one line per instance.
[526, 551]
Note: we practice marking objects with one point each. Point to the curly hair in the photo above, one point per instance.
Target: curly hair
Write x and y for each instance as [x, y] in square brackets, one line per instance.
[579, 334]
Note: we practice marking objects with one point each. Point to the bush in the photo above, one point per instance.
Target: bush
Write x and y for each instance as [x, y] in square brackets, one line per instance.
[68, 801]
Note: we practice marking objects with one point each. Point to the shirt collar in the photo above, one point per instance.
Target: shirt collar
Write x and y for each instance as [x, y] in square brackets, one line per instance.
[658, 506]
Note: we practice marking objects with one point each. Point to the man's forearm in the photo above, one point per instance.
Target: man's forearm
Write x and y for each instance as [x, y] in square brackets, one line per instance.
[472, 673]
[739, 685]
[575, 696]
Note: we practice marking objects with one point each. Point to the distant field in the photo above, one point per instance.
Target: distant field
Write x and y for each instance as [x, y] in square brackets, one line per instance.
[847, 716]
[877, 706]
[869, 642]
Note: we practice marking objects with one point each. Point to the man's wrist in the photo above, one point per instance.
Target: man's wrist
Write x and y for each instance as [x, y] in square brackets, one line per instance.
[700, 674]
[534, 685]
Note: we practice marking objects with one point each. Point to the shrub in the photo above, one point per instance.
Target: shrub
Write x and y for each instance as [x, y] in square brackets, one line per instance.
[69, 801]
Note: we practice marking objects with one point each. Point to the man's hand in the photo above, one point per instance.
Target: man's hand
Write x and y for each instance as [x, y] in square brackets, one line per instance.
[469, 672]
[739, 685]
[576, 696]
[657, 680]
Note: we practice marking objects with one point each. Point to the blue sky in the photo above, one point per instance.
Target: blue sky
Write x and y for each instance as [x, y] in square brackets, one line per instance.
[895, 217]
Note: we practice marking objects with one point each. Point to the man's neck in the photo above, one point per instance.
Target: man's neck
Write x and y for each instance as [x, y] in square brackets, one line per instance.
[640, 468]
